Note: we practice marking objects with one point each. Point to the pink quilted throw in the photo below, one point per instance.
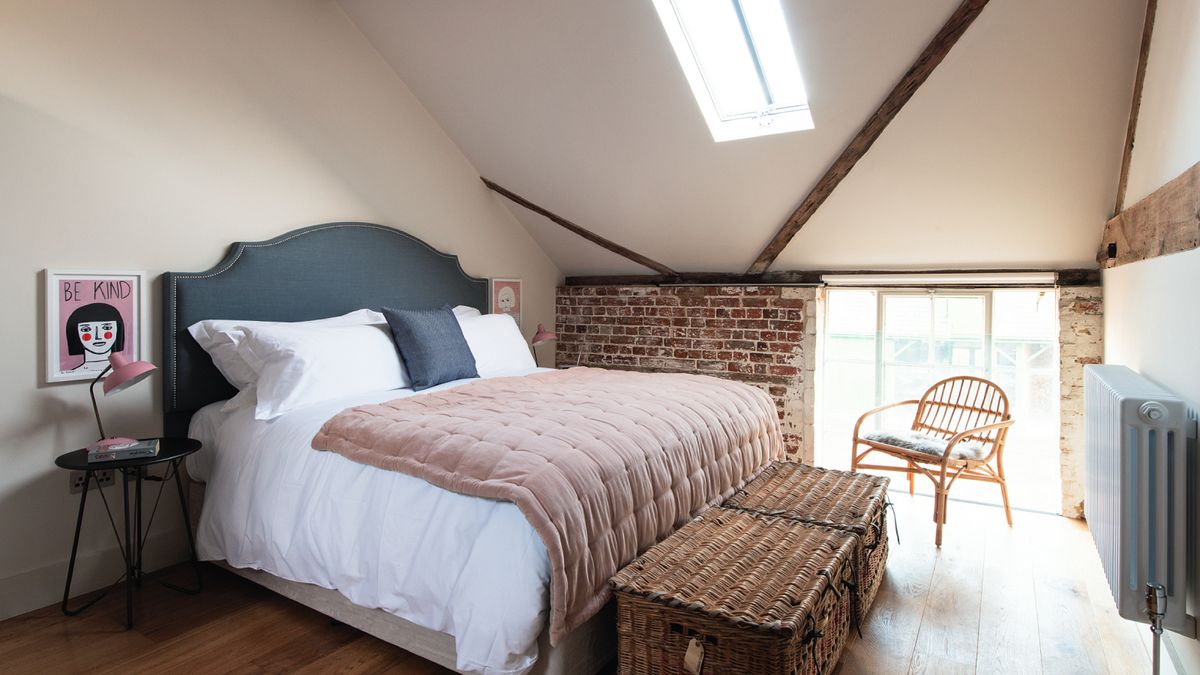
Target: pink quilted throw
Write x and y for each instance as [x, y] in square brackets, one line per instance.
[603, 463]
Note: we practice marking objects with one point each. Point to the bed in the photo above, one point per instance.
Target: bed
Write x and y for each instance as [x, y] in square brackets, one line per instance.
[460, 580]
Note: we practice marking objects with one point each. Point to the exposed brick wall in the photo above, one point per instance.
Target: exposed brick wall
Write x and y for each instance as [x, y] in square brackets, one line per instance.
[1081, 342]
[766, 336]
[761, 335]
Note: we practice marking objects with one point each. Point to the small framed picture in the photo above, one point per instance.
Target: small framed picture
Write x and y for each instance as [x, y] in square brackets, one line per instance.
[506, 298]
[90, 316]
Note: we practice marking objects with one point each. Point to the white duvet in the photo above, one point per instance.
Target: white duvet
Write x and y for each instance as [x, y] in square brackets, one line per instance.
[466, 566]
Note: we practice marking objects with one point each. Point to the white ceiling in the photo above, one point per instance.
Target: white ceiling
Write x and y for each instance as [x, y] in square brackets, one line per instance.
[1007, 156]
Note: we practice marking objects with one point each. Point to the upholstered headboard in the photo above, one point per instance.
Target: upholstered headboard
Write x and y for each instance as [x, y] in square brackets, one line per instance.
[311, 273]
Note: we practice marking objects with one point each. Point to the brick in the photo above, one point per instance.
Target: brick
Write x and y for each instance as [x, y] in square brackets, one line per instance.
[1081, 336]
[760, 290]
[727, 332]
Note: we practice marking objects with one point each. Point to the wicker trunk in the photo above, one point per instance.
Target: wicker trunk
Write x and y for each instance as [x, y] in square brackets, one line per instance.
[853, 502]
[752, 593]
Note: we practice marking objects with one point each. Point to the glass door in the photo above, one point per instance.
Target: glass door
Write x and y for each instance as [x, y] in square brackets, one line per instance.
[884, 346]
[928, 337]
[1025, 365]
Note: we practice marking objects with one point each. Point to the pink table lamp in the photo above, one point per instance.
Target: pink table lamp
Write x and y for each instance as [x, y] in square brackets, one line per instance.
[125, 374]
[542, 336]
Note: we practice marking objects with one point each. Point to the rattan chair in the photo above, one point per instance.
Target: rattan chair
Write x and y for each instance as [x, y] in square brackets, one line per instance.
[958, 432]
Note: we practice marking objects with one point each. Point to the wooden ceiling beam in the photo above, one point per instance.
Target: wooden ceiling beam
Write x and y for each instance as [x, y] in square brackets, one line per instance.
[1136, 105]
[1167, 221]
[1067, 277]
[925, 64]
[579, 230]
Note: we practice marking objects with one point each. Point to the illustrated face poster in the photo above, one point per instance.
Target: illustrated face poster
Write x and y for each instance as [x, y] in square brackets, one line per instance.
[90, 316]
[506, 298]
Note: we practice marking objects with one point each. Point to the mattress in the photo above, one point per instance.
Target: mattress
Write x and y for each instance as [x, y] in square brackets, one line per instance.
[470, 567]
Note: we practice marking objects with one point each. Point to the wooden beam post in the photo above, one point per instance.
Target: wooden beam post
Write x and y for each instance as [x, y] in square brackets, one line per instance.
[929, 59]
[586, 234]
[1136, 105]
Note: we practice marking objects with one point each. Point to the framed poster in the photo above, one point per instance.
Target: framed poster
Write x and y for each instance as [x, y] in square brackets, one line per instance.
[89, 316]
[506, 298]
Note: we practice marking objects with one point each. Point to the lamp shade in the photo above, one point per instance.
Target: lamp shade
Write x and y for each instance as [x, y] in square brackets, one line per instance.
[542, 335]
[126, 373]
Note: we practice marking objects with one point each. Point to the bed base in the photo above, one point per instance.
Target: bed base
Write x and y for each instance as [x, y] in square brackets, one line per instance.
[585, 651]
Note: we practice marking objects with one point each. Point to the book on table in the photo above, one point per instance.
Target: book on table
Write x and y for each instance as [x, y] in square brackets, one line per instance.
[113, 453]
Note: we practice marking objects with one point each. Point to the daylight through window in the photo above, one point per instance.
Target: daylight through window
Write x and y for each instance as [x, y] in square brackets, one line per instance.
[739, 59]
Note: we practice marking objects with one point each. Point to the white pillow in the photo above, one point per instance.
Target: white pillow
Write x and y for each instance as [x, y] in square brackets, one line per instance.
[220, 338]
[463, 311]
[300, 366]
[497, 344]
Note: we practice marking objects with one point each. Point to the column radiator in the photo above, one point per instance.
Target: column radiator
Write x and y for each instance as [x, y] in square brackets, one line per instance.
[1139, 486]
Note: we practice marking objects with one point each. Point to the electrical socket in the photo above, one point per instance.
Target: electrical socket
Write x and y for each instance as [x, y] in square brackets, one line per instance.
[103, 476]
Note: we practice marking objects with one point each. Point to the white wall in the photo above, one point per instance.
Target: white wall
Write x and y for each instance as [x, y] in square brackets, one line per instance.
[1153, 320]
[1152, 311]
[1152, 324]
[1167, 141]
[151, 134]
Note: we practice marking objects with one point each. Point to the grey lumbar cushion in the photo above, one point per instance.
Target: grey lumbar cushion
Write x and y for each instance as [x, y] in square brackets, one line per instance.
[927, 444]
[432, 346]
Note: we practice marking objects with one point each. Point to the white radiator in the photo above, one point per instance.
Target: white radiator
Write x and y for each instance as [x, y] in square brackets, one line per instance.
[1139, 464]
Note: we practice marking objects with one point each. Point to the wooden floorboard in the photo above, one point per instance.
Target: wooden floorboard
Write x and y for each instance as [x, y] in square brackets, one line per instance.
[1009, 643]
[948, 640]
[1070, 639]
[890, 634]
[1031, 599]
[1121, 640]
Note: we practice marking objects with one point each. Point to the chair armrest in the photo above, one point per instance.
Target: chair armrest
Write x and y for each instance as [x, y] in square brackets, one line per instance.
[876, 411]
[962, 435]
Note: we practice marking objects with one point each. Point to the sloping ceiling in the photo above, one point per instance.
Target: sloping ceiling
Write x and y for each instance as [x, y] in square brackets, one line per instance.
[1008, 156]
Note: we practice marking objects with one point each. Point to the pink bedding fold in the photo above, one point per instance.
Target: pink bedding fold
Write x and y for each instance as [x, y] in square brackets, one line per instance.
[602, 463]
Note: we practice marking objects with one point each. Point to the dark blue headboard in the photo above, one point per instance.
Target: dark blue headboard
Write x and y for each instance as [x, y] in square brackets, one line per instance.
[311, 273]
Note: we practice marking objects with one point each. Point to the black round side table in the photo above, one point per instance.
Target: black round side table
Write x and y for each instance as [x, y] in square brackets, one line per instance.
[170, 450]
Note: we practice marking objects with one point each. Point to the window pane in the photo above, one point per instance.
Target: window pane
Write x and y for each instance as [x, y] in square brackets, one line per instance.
[848, 391]
[715, 35]
[959, 326]
[1012, 353]
[852, 392]
[959, 354]
[850, 348]
[850, 326]
[906, 329]
[906, 315]
[1024, 315]
[958, 316]
[850, 312]
[904, 382]
[768, 27]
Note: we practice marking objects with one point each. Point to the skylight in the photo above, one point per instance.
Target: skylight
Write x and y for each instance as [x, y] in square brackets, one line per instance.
[738, 58]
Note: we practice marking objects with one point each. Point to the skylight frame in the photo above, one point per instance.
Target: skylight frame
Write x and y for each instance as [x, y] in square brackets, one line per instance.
[766, 120]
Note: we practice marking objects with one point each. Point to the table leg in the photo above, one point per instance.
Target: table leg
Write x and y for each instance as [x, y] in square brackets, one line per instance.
[137, 541]
[128, 554]
[87, 478]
